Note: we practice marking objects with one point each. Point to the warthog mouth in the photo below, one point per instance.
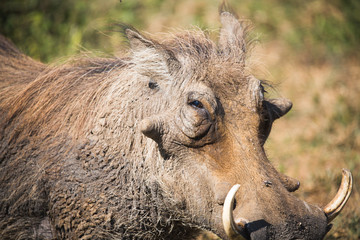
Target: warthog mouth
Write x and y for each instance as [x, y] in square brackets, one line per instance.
[238, 229]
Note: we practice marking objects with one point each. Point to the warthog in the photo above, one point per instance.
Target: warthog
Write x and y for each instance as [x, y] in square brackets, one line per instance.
[159, 144]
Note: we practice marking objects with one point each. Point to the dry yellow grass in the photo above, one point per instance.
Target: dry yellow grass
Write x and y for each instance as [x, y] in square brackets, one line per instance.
[316, 140]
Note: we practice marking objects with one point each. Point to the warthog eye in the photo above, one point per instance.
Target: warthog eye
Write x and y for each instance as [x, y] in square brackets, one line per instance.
[196, 104]
[153, 84]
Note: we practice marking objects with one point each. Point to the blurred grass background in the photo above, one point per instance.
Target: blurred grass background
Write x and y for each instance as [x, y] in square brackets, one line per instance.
[310, 50]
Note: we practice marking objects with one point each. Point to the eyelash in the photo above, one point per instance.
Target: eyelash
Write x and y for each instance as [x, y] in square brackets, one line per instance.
[262, 89]
[196, 104]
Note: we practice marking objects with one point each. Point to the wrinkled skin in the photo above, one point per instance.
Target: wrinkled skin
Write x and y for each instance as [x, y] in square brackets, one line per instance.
[144, 147]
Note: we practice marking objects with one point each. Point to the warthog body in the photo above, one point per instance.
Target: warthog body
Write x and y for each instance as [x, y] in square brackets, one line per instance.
[145, 146]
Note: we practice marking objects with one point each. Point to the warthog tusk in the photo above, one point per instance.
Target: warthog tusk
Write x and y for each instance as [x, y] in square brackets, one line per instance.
[335, 206]
[233, 230]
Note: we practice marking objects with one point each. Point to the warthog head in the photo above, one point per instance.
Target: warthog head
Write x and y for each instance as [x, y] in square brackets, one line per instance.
[213, 124]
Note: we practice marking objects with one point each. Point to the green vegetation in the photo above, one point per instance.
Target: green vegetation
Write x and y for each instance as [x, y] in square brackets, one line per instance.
[311, 47]
[46, 29]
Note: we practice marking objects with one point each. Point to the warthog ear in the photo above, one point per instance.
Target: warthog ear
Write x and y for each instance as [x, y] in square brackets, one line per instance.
[137, 41]
[232, 39]
[278, 107]
[274, 109]
[152, 57]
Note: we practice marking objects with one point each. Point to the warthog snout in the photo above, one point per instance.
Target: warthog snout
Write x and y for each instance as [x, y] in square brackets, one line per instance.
[238, 227]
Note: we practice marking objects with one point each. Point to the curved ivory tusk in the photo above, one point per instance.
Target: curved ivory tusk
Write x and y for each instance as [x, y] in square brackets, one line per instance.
[335, 206]
[233, 230]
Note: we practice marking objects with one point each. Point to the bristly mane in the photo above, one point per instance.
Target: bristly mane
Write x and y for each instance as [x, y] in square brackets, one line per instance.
[69, 91]
[73, 90]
